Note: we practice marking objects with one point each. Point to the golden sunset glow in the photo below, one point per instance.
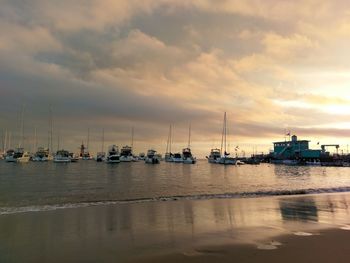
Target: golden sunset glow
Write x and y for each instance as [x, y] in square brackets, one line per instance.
[271, 65]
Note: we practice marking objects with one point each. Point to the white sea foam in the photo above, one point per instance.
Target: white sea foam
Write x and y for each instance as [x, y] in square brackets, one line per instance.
[38, 208]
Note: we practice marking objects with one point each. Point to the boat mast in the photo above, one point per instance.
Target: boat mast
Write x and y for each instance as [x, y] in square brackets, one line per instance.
[103, 140]
[132, 137]
[170, 138]
[35, 139]
[9, 140]
[58, 140]
[5, 140]
[51, 130]
[223, 132]
[20, 144]
[88, 139]
[168, 143]
[189, 137]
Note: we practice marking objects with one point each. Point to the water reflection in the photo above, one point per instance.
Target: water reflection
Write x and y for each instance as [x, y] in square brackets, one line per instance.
[302, 209]
[292, 171]
[129, 229]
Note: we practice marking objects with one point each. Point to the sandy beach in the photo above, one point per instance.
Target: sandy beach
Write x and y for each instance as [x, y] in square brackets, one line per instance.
[303, 228]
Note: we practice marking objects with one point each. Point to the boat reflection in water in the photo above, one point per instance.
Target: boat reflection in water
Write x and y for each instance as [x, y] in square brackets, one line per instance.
[134, 228]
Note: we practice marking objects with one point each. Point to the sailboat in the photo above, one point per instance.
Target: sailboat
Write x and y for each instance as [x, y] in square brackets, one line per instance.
[10, 153]
[19, 153]
[187, 156]
[168, 154]
[100, 156]
[225, 158]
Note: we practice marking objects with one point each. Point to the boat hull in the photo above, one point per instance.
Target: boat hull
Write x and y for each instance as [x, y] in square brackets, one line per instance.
[152, 161]
[227, 161]
[10, 159]
[40, 159]
[126, 159]
[62, 160]
[23, 159]
[189, 161]
[178, 160]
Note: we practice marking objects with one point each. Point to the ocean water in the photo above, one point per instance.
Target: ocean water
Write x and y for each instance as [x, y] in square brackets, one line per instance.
[95, 212]
[47, 186]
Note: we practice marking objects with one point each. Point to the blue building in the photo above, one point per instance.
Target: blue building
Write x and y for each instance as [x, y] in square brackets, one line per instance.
[295, 150]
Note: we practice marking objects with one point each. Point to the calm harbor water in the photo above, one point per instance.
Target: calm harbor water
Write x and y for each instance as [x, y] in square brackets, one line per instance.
[49, 184]
[94, 212]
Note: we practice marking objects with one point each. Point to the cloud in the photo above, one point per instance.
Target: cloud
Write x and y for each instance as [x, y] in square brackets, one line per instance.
[116, 64]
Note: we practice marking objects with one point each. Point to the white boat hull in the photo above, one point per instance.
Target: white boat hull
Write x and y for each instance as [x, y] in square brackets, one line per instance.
[112, 161]
[152, 161]
[178, 160]
[189, 160]
[227, 161]
[62, 160]
[39, 159]
[126, 158]
[10, 159]
[211, 160]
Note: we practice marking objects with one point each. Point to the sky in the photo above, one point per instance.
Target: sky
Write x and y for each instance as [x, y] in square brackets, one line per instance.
[272, 65]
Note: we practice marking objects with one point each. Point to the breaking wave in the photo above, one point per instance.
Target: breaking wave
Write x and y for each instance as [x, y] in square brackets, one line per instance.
[40, 208]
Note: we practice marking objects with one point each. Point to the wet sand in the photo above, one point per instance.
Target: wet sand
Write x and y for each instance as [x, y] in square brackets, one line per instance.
[305, 228]
[324, 246]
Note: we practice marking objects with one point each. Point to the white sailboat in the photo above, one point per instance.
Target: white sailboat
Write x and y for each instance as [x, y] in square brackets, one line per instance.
[168, 154]
[225, 158]
[19, 154]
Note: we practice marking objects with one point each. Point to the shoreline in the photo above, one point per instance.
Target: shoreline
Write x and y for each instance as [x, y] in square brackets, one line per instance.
[8, 210]
[187, 230]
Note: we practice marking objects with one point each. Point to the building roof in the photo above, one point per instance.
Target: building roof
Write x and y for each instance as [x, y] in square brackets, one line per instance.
[292, 141]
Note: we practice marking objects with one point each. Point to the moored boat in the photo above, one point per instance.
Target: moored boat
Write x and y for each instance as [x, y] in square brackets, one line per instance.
[126, 154]
[177, 158]
[187, 156]
[214, 156]
[41, 155]
[152, 157]
[62, 156]
[225, 158]
[113, 155]
[24, 158]
[10, 156]
[168, 157]
[100, 156]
